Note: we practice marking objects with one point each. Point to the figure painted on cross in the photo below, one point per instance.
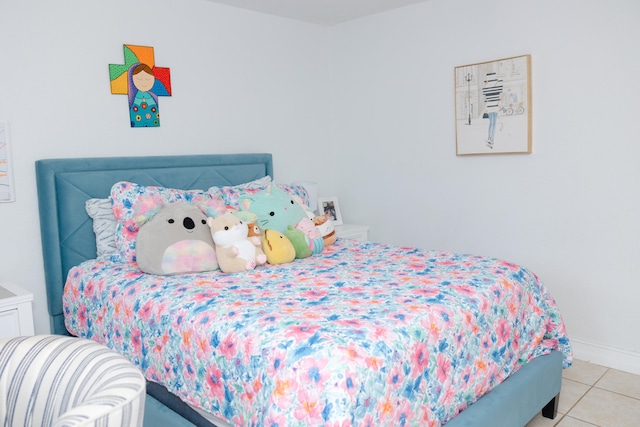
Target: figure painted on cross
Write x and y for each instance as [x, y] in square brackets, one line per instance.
[143, 82]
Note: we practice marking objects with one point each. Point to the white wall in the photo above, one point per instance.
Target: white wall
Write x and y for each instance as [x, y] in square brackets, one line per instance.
[570, 211]
[242, 82]
[246, 82]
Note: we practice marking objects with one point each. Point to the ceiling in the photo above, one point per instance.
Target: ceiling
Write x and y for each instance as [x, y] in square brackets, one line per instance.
[323, 12]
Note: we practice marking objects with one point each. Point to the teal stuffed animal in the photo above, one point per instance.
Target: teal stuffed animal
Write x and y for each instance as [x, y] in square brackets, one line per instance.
[276, 210]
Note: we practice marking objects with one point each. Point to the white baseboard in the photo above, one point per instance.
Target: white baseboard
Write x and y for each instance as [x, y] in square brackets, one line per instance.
[622, 360]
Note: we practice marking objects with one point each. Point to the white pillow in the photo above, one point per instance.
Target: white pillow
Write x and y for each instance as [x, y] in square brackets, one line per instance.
[104, 226]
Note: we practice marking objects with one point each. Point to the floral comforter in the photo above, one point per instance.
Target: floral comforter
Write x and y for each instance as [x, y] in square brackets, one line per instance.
[362, 334]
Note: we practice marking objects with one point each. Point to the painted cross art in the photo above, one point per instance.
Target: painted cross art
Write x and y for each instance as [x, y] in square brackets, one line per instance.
[143, 82]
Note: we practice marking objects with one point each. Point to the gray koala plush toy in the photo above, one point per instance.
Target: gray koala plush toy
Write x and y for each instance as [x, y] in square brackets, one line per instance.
[176, 240]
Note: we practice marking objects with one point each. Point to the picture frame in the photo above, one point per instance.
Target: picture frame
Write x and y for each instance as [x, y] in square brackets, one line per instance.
[493, 107]
[7, 192]
[329, 206]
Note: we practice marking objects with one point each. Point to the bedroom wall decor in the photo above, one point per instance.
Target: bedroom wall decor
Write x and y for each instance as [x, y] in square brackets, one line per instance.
[493, 106]
[6, 174]
[143, 82]
[329, 206]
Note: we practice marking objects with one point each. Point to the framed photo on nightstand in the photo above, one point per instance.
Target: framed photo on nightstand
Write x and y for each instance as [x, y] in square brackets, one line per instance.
[329, 206]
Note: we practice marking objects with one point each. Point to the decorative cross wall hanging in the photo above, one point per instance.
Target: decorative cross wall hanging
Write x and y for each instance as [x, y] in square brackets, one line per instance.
[143, 82]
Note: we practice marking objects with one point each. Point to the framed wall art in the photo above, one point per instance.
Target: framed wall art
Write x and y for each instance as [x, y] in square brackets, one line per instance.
[329, 206]
[143, 82]
[493, 106]
[6, 173]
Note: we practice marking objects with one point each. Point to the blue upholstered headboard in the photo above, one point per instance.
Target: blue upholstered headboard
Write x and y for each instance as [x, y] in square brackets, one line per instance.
[64, 185]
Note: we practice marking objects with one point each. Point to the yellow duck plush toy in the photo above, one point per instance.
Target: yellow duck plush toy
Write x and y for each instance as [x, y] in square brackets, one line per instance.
[277, 247]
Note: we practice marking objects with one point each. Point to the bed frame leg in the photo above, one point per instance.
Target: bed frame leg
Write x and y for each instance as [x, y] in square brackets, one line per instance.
[551, 409]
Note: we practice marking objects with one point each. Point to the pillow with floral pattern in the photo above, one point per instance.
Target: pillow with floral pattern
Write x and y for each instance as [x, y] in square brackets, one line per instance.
[131, 201]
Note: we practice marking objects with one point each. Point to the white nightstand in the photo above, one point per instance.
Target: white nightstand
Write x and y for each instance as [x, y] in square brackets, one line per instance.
[352, 231]
[16, 314]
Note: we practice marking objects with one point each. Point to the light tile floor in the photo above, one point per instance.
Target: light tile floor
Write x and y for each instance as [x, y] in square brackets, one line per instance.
[594, 395]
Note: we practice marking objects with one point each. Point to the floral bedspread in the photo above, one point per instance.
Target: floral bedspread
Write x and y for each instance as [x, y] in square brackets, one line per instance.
[363, 334]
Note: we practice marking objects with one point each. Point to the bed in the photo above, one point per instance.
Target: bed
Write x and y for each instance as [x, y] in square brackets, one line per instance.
[361, 334]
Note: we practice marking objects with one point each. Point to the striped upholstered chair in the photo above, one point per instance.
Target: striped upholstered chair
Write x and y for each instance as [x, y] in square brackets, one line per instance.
[52, 380]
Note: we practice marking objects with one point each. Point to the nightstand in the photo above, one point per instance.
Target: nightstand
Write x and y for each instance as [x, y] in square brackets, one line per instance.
[16, 314]
[352, 231]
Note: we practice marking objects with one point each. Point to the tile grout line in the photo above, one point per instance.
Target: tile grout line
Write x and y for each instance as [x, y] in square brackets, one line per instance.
[591, 387]
[617, 393]
[556, 422]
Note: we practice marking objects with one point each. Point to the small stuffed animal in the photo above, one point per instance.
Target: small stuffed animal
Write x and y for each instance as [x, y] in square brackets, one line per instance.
[277, 247]
[300, 242]
[175, 239]
[325, 226]
[254, 230]
[252, 223]
[235, 250]
[316, 243]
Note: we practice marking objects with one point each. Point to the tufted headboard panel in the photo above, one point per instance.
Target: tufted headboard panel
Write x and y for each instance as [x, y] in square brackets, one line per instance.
[64, 185]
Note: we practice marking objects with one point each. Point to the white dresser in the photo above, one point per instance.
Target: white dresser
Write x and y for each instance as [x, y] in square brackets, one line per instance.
[352, 231]
[16, 313]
